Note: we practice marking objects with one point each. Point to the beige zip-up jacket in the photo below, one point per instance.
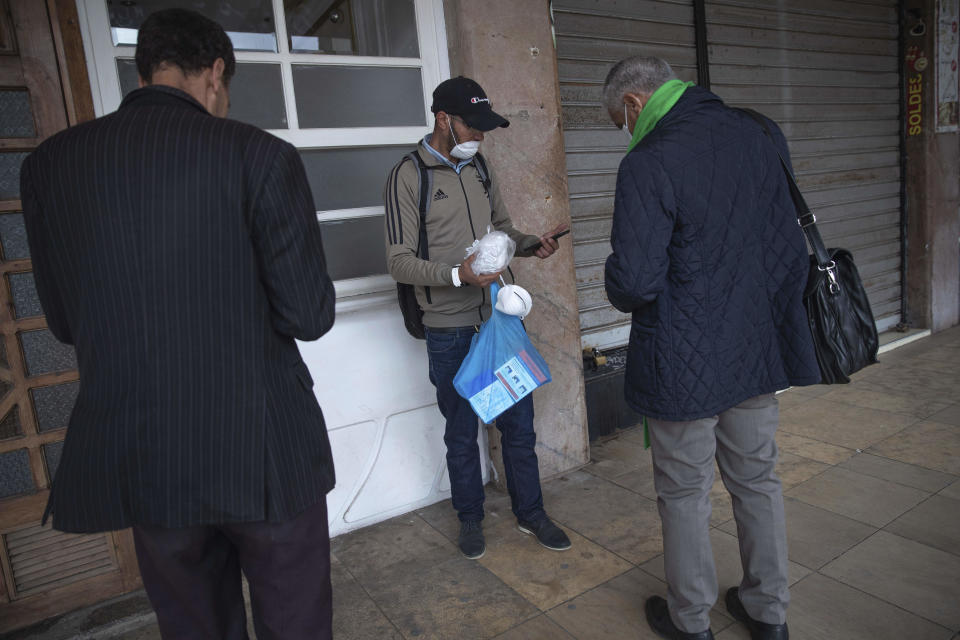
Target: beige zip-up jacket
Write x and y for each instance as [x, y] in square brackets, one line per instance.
[460, 212]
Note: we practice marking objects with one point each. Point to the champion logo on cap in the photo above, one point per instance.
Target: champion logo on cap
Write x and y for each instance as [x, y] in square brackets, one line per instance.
[476, 100]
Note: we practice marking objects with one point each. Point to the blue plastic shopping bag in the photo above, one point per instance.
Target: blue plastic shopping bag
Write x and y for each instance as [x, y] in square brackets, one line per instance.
[502, 366]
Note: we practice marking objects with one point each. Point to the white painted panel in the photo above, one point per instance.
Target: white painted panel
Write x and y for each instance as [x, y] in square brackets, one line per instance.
[353, 453]
[409, 464]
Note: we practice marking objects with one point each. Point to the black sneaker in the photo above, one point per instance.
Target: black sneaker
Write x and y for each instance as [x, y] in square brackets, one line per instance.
[548, 534]
[471, 539]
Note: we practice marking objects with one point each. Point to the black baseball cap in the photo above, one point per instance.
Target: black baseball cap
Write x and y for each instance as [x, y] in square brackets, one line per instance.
[465, 98]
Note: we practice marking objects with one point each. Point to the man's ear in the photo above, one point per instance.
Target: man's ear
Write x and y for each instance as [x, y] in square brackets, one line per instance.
[635, 102]
[216, 78]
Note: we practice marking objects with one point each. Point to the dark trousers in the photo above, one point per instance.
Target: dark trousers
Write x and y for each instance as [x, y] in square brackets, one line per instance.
[446, 351]
[192, 577]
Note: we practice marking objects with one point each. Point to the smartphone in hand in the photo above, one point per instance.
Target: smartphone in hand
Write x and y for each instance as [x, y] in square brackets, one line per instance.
[538, 244]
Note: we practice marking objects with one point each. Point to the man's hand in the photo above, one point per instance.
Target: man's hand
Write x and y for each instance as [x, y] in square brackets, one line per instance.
[548, 246]
[467, 276]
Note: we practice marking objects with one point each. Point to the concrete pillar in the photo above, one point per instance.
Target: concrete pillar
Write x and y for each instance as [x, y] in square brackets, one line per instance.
[932, 181]
[507, 46]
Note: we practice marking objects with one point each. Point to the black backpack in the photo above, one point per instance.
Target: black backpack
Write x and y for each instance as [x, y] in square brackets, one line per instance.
[406, 293]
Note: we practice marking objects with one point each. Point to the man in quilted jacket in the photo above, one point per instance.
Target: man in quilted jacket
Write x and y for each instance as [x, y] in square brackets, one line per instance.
[709, 259]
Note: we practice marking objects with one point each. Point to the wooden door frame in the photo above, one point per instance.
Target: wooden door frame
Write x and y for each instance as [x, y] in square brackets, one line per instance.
[53, 111]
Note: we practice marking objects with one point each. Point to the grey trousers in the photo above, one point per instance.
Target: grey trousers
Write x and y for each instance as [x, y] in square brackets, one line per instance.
[742, 441]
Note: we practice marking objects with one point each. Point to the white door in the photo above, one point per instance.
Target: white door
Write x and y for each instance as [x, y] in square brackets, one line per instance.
[349, 83]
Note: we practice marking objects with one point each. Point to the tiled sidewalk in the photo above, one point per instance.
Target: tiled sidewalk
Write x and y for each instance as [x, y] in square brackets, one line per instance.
[871, 472]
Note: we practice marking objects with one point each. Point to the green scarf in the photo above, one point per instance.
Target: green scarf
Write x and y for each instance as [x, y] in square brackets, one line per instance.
[657, 106]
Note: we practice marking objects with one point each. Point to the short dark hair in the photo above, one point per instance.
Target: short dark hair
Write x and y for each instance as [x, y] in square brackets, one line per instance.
[184, 38]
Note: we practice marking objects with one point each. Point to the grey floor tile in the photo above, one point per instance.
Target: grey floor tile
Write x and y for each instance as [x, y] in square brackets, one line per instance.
[899, 472]
[544, 577]
[812, 448]
[824, 609]
[917, 407]
[950, 415]
[932, 445]
[406, 540]
[791, 398]
[540, 628]
[926, 380]
[793, 469]
[952, 491]
[934, 522]
[458, 598]
[848, 493]
[615, 518]
[355, 615]
[443, 518]
[842, 424]
[615, 610]
[618, 456]
[812, 391]
[911, 575]
[816, 536]
[726, 559]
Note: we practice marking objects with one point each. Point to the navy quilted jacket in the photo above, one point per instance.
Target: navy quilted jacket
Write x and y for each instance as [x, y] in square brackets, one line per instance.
[710, 260]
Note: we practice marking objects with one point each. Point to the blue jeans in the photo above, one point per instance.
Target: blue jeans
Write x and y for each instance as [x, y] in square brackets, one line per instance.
[446, 352]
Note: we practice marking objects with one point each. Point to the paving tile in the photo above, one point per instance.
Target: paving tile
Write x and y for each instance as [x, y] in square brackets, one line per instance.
[950, 415]
[825, 609]
[927, 380]
[854, 495]
[935, 522]
[899, 472]
[791, 398]
[615, 610]
[641, 482]
[540, 628]
[406, 540]
[544, 577]
[458, 598]
[815, 536]
[842, 424]
[618, 456]
[952, 491]
[355, 615]
[726, 559]
[908, 574]
[794, 469]
[811, 391]
[913, 406]
[812, 448]
[928, 444]
[611, 516]
[443, 518]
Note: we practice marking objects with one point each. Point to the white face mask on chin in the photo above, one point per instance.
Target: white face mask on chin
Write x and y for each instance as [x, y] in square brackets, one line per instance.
[463, 150]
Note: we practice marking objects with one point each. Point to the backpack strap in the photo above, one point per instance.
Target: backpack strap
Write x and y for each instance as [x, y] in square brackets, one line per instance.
[425, 183]
[481, 164]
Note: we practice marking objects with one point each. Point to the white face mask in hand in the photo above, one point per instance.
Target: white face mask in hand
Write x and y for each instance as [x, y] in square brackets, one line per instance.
[463, 150]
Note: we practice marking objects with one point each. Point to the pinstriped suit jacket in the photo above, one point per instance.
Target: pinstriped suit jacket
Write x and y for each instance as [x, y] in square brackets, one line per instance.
[180, 254]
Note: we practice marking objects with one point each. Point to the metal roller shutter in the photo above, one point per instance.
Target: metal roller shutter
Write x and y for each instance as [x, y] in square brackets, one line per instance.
[827, 72]
[591, 36]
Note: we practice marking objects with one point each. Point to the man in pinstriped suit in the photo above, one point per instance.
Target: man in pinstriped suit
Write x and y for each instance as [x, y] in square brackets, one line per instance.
[178, 251]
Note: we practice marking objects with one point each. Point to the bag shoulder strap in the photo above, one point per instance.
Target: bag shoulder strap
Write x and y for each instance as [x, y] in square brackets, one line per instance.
[481, 164]
[805, 217]
[425, 184]
[425, 181]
